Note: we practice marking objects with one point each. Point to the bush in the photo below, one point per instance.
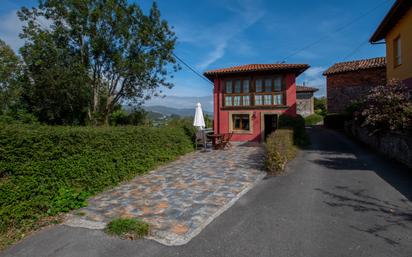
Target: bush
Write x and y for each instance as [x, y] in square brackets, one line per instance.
[279, 149]
[334, 121]
[45, 170]
[313, 119]
[297, 123]
[123, 227]
[387, 108]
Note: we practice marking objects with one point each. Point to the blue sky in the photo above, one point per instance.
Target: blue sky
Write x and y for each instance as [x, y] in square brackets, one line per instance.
[221, 33]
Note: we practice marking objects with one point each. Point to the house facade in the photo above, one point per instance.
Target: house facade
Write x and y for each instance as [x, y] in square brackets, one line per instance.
[248, 99]
[305, 102]
[349, 81]
[396, 31]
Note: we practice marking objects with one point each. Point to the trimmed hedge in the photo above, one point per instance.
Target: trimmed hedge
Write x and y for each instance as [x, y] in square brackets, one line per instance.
[46, 170]
[279, 150]
[297, 123]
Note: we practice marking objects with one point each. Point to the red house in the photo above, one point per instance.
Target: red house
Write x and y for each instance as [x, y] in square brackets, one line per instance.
[248, 99]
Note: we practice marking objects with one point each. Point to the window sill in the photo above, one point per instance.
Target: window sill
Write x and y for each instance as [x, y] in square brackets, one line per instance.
[242, 132]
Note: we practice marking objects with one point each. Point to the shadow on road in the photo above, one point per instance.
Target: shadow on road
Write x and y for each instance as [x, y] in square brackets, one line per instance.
[391, 215]
[338, 153]
[341, 154]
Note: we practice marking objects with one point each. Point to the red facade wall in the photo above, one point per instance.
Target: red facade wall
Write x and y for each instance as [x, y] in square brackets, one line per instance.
[221, 115]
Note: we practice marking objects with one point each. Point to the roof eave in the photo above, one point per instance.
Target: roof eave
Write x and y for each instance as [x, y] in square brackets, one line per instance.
[397, 11]
[296, 71]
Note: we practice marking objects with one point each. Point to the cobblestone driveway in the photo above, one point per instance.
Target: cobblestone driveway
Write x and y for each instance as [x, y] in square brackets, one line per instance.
[181, 198]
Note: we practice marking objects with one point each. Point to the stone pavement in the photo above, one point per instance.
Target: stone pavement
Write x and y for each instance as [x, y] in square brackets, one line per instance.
[180, 198]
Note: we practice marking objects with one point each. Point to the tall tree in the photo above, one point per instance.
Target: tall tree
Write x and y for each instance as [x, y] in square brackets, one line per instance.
[128, 55]
[58, 90]
[10, 72]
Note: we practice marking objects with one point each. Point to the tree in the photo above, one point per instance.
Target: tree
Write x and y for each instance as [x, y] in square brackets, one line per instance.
[10, 72]
[128, 55]
[58, 90]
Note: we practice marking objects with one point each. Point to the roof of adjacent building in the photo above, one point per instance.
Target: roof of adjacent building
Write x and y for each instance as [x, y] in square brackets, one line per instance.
[342, 67]
[300, 88]
[275, 67]
[395, 14]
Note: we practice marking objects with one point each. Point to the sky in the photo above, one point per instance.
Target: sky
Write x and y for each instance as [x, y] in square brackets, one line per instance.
[222, 33]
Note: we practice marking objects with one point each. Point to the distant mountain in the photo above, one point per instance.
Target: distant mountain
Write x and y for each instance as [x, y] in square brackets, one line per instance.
[182, 102]
[183, 112]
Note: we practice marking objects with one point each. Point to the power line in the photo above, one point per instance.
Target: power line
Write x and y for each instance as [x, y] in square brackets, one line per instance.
[338, 29]
[180, 59]
[190, 68]
[356, 49]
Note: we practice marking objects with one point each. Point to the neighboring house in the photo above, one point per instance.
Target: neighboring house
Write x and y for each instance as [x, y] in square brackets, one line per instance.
[305, 103]
[349, 81]
[249, 98]
[396, 30]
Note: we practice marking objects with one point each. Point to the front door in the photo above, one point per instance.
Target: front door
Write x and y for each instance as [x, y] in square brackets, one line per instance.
[271, 123]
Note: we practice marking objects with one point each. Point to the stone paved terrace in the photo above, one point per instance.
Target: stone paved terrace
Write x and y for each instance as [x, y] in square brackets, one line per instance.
[180, 198]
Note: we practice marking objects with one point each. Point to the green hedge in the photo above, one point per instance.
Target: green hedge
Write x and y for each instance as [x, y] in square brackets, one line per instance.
[297, 123]
[45, 170]
[279, 149]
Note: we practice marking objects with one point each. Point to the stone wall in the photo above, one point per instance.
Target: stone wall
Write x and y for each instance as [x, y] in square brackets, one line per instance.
[393, 145]
[344, 88]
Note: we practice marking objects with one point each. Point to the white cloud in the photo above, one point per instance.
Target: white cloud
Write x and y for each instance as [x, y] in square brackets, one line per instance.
[213, 56]
[314, 71]
[313, 77]
[217, 37]
[10, 28]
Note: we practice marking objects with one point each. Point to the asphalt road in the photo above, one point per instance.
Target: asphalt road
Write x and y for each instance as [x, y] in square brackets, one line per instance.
[338, 199]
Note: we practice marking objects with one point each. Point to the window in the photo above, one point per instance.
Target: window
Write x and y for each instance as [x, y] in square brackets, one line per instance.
[258, 85]
[241, 121]
[246, 86]
[268, 85]
[397, 51]
[229, 87]
[268, 99]
[236, 100]
[278, 100]
[246, 100]
[237, 86]
[228, 101]
[278, 84]
[258, 100]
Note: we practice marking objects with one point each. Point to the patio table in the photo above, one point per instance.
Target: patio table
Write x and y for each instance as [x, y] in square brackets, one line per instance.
[215, 138]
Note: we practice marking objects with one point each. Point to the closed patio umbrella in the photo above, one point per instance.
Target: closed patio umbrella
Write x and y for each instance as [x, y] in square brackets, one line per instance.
[199, 121]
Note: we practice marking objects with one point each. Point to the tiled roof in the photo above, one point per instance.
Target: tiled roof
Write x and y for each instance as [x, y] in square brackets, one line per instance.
[275, 67]
[395, 14]
[300, 88]
[342, 67]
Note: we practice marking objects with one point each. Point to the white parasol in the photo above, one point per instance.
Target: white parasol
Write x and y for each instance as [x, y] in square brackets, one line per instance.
[199, 121]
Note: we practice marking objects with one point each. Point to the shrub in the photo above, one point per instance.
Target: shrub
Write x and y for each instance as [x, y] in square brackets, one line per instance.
[297, 123]
[123, 227]
[279, 149]
[313, 119]
[387, 108]
[45, 170]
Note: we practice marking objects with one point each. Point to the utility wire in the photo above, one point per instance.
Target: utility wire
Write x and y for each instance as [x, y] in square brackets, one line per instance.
[337, 30]
[181, 60]
[192, 69]
[356, 49]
